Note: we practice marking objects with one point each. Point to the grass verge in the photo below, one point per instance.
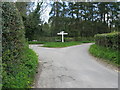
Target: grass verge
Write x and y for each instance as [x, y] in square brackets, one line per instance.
[65, 44]
[23, 75]
[110, 55]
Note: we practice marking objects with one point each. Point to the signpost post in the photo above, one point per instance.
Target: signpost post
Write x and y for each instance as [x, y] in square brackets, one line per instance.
[62, 34]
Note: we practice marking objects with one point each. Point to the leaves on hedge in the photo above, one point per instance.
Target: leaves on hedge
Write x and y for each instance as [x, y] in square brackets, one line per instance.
[110, 40]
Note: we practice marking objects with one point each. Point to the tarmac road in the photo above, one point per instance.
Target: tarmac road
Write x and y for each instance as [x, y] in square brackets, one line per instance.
[72, 67]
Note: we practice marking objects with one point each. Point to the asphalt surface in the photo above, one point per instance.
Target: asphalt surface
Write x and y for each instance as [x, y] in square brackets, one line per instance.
[72, 67]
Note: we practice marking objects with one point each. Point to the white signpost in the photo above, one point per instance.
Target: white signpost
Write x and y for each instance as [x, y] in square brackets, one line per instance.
[62, 34]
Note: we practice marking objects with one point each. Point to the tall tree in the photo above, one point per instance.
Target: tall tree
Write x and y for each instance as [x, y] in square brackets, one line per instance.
[84, 19]
[55, 17]
[24, 8]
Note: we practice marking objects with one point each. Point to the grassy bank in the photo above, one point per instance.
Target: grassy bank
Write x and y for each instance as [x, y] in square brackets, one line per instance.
[110, 55]
[65, 44]
[41, 42]
[23, 74]
[60, 44]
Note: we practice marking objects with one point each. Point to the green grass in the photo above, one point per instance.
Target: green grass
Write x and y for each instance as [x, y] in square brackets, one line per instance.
[108, 54]
[60, 44]
[24, 76]
[65, 44]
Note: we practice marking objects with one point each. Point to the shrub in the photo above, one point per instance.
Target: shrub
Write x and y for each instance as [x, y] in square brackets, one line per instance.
[36, 42]
[110, 40]
[18, 61]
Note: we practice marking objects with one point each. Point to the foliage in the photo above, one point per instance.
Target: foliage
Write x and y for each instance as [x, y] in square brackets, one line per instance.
[79, 39]
[58, 39]
[0, 47]
[110, 40]
[32, 24]
[108, 54]
[18, 61]
[23, 8]
[36, 42]
[23, 76]
[46, 30]
[81, 19]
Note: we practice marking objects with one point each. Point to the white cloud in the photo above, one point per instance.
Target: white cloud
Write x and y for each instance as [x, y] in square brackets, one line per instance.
[46, 10]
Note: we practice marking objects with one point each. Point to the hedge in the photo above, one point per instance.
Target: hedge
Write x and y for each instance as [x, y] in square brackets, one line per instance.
[58, 39]
[110, 40]
[18, 61]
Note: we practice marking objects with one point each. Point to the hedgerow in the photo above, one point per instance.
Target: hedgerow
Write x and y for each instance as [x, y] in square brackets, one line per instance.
[110, 40]
[107, 47]
[18, 61]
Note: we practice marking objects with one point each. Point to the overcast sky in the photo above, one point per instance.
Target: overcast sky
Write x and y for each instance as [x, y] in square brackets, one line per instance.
[45, 15]
[46, 10]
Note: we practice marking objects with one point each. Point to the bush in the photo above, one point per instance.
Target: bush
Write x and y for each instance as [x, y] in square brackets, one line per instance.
[108, 40]
[36, 42]
[23, 74]
[18, 61]
[108, 54]
[58, 38]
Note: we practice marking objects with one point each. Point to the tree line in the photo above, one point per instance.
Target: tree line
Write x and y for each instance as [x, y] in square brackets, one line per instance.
[79, 19]
[84, 19]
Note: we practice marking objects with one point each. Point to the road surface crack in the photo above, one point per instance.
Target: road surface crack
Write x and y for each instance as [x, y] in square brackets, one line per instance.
[65, 78]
